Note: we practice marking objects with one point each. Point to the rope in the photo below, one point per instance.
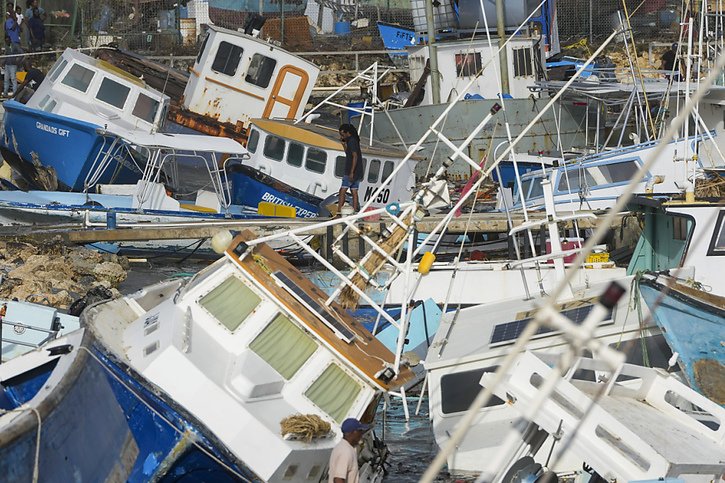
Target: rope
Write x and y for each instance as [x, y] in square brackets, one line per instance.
[166, 420]
[45, 52]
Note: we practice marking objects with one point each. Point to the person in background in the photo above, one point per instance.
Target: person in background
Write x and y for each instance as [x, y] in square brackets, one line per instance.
[31, 4]
[12, 51]
[669, 59]
[33, 78]
[353, 166]
[343, 459]
[21, 23]
[37, 31]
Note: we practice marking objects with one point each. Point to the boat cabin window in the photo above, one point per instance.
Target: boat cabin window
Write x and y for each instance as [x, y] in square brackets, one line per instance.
[374, 171]
[57, 69]
[619, 172]
[113, 93]
[274, 148]
[522, 62]
[316, 160]
[458, 390]
[295, 154]
[47, 103]
[230, 302]
[340, 166]
[334, 392]
[227, 58]
[537, 190]
[284, 346]
[260, 70]
[468, 64]
[532, 188]
[388, 169]
[201, 49]
[50, 106]
[253, 141]
[575, 180]
[78, 77]
[146, 108]
[717, 244]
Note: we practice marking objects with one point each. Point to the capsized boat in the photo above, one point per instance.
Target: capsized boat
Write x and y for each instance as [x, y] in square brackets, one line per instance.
[619, 425]
[152, 199]
[58, 138]
[306, 158]
[253, 339]
[682, 285]
[53, 403]
[693, 323]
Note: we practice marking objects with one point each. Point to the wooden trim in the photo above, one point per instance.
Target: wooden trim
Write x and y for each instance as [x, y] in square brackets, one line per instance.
[294, 103]
[214, 81]
[193, 71]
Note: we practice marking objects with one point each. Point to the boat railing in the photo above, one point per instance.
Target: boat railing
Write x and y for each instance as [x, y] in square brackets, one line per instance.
[20, 328]
[113, 149]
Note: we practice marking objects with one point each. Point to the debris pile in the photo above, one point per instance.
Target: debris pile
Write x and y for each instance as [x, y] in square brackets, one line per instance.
[56, 275]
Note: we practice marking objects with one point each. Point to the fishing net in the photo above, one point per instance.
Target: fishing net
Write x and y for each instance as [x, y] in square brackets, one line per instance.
[305, 426]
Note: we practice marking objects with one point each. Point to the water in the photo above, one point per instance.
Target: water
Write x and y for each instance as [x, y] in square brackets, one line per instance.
[411, 443]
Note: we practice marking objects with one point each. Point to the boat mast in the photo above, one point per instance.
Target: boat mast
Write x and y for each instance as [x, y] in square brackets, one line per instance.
[435, 80]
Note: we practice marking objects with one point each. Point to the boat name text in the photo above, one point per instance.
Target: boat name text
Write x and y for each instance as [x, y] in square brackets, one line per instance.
[52, 129]
[382, 197]
[301, 212]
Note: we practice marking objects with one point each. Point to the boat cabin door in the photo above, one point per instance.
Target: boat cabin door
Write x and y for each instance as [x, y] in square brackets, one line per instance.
[287, 93]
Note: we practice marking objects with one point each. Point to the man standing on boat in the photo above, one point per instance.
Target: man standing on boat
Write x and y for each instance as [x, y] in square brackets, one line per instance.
[343, 460]
[353, 166]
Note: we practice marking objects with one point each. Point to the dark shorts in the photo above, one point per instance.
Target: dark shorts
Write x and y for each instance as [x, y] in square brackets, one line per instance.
[353, 185]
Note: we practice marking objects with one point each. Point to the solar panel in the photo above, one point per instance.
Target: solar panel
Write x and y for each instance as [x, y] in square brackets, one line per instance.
[512, 330]
[314, 306]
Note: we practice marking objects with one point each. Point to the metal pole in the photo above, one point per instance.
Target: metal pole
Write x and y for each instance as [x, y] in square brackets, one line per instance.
[591, 21]
[281, 23]
[432, 53]
[503, 58]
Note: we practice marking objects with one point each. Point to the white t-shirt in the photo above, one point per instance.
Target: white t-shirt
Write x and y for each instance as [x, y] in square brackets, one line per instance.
[343, 463]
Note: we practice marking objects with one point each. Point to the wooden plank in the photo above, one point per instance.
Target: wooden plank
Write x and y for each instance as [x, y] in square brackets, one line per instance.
[76, 234]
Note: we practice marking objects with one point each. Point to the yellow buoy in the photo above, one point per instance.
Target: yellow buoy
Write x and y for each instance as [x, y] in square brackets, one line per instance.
[426, 262]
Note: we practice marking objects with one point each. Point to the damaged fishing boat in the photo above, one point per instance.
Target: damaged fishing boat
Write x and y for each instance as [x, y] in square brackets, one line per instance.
[56, 139]
[257, 343]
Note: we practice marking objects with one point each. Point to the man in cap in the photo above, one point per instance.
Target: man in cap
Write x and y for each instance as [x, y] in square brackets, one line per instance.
[343, 460]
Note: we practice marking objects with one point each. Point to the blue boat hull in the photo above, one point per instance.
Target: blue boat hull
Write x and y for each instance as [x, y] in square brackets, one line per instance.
[83, 435]
[695, 330]
[251, 187]
[396, 37]
[66, 148]
[164, 433]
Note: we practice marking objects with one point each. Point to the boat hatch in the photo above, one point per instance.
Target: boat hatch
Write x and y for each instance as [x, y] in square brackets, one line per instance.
[312, 305]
